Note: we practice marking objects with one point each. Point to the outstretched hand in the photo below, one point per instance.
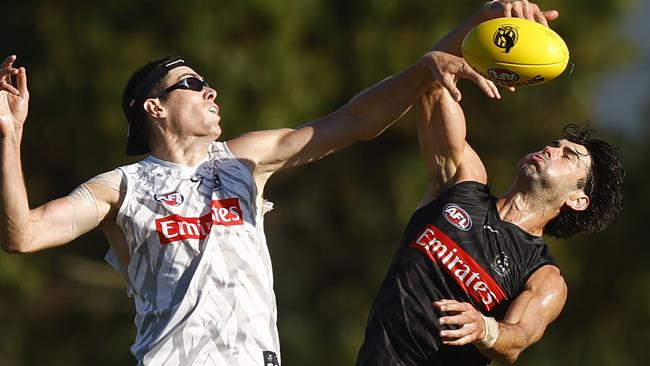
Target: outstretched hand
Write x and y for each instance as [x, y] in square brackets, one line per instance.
[518, 9]
[447, 69]
[13, 99]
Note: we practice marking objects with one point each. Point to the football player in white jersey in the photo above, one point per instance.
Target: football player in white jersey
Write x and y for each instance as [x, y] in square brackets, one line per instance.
[185, 223]
[211, 306]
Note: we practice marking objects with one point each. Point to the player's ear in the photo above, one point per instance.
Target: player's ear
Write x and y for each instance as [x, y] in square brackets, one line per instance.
[154, 108]
[578, 201]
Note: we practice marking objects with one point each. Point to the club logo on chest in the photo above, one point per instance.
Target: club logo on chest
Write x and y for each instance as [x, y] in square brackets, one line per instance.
[501, 264]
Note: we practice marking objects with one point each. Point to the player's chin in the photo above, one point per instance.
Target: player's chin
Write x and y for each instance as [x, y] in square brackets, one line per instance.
[524, 162]
[215, 131]
[529, 169]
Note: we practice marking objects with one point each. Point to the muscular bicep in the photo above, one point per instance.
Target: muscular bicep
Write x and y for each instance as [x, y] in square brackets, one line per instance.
[441, 130]
[541, 302]
[529, 315]
[273, 150]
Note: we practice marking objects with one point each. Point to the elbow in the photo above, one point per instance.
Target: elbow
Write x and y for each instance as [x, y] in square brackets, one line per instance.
[510, 358]
[13, 249]
[503, 359]
[16, 246]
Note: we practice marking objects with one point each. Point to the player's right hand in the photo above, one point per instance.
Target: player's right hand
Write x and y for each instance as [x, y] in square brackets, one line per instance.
[518, 9]
[468, 322]
[14, 99]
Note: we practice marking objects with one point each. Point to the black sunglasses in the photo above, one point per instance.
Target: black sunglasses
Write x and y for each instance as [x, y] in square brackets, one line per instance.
[190, 83]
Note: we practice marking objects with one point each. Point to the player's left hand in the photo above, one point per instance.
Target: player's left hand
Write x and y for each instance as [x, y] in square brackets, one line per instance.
[468, 320]
[447, 69]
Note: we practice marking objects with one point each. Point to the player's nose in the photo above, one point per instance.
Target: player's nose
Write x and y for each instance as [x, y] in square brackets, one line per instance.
[550, 151]
[210, 93]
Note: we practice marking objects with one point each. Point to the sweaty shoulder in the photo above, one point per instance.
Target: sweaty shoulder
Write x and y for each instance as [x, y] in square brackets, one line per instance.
[548, 285]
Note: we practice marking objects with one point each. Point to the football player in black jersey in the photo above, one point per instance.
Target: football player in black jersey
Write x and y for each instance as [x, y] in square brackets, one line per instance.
[481, 261]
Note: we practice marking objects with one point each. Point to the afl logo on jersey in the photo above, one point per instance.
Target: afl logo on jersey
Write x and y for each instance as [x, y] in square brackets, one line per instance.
[457, 216]
[171, 199]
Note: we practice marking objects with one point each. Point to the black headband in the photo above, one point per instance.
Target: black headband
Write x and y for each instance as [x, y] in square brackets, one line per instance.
[136, 143]
[142, 88]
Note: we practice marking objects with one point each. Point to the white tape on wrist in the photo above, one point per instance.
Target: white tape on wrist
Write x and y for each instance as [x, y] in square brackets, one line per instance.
[491, 333]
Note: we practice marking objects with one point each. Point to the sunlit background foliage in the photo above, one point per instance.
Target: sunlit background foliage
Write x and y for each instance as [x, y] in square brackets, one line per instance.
[280, 63]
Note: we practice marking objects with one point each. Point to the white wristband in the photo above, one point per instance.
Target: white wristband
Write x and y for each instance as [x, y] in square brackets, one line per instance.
[491, 333]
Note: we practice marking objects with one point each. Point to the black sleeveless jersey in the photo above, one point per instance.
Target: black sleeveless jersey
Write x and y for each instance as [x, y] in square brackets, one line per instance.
[456, 247]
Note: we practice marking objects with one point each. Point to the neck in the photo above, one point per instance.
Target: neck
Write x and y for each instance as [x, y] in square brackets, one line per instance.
[527, 208]
[188, 152]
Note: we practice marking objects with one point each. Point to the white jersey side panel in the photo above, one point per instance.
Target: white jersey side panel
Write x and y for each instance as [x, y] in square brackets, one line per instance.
[200, 271]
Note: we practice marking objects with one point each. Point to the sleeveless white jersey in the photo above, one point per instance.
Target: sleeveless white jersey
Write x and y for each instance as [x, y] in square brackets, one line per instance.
[200, 271]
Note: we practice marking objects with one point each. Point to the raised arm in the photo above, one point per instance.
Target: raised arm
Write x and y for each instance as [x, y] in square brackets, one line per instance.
[57, 222]
[452, 41]
[524, 324]
[363, 118]
[440, 120]
[447, 156]
[13, 112]
[374, 109]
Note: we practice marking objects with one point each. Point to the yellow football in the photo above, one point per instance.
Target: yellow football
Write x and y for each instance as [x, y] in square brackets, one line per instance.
[515, 52]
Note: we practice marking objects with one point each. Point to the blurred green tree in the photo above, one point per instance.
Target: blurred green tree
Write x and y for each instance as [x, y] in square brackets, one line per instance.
[336, 223]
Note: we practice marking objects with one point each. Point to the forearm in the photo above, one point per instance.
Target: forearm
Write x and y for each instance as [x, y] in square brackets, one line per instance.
[364, 117]
[512, 340]
[451, 42]
[441, 132]
[14, 208]
[377, 107]
[529, 315]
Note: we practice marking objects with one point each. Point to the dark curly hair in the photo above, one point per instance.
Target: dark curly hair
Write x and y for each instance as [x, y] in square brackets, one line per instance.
[603, 185]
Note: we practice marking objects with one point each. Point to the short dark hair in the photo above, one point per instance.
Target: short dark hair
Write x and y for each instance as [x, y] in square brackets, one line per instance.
[603, 185]
[136, 91]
